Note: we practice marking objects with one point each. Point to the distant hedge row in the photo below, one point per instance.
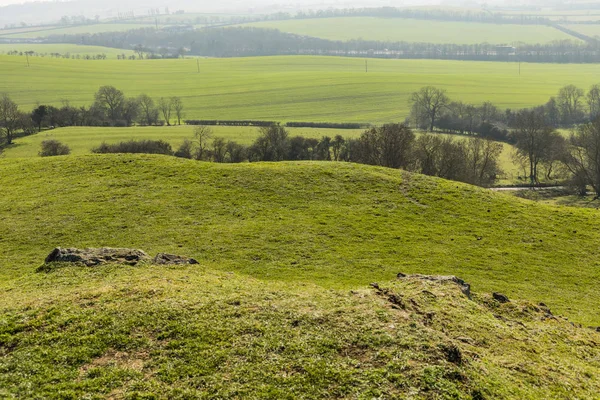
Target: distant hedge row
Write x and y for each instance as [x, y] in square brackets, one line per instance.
[343, 125]
[229, 123]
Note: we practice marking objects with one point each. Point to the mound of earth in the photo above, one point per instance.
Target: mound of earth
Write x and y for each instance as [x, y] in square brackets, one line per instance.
[132, 333]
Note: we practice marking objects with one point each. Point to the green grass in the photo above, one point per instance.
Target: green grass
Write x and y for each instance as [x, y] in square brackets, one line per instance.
[279, 306]
[73, 49]
[592, 30]
[414, 30]
[82, 139]
[338, 225]
[290, 88]
[74, 30]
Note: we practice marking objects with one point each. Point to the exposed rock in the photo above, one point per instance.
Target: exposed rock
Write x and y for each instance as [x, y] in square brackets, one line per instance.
[172, 259]
[93, 257]
[106, 255]
[464, 286]
[500, 297]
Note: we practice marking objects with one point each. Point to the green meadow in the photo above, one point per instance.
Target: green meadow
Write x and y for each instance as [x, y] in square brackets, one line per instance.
[415, 30]
[592, 30]
[81, 140]
[74, 30]
[321, 89]
[73, 49]
[280, 304]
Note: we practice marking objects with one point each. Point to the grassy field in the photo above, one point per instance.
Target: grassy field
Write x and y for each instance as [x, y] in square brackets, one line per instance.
[290, 88]
[82, 139]
[338, 225]
[414, 30]
[73, 49]
[280, 304]
[589, 30]
[73, 30]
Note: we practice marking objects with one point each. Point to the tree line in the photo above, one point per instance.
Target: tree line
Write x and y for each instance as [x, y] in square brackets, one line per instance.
[110, 108]
[472, 160]
[541, 151]
[248, 41]
[432, 108]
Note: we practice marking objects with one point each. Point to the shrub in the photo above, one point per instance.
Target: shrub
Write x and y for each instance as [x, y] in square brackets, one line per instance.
[132, 146]
[54, 148]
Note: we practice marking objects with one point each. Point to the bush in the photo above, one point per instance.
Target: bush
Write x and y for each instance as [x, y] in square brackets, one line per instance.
[132, 146]
[54, 148]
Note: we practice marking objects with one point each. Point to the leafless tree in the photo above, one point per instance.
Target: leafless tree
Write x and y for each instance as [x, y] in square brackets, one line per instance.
[10, 118]
[111, 100]
[203, 135]
[428, 103]
[593, 101]
[570, 100]
[583, 156]
[165, 107]
[149, 113]
[177, 104]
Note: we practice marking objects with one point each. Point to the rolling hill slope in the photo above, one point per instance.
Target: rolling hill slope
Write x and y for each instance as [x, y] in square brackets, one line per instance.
[323, 89]
[280, 305]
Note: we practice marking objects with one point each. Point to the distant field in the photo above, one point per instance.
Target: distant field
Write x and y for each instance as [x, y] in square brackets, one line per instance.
[592, 30]
[45, 49]
[82, 139]
[290, 88]
[95, 28]
[413, 30]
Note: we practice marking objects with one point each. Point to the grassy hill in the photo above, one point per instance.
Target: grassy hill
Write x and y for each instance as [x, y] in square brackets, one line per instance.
[415, 30]
[280, 305]
[324, 89]
[339, 225]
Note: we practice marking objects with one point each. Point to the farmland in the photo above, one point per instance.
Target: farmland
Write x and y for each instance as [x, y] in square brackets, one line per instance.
[72, 49]
[414, 30]
[324, 89]
[81, 140]
[73, 30]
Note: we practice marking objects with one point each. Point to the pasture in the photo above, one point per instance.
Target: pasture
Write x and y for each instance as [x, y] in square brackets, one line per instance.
[318, 89]
[415, 30]
[74, 30]
[63, 48]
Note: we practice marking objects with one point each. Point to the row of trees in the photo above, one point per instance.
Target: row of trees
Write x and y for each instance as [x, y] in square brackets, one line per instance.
[471, 160]
[432, 108]
[110, 108]
[248, 41]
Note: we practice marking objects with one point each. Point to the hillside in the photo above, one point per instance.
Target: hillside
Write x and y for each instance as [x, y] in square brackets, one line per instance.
[416, 30]
[323, 89]
[339, 225]
[280, 305]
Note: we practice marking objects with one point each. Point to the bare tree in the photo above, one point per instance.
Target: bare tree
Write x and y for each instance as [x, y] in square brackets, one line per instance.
[149, 113]
[428, 103]
[10, 118]
[570, 100]
[111, 100]
[583, 156]
[165, 107]
[219, 150]
[202, 135]
[593, 101]
[532, 138]
[177, 105]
